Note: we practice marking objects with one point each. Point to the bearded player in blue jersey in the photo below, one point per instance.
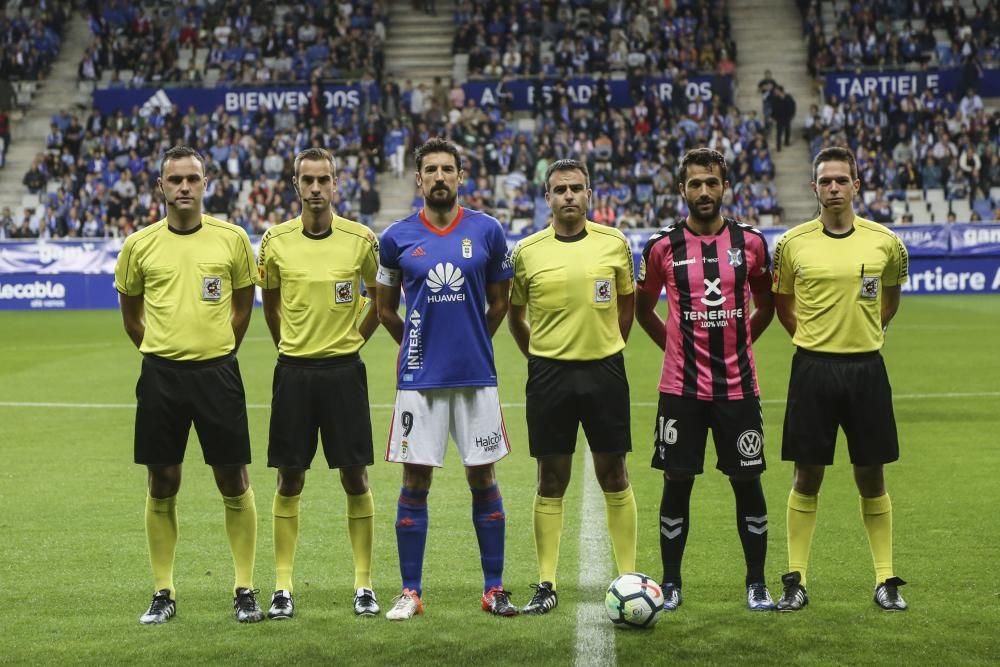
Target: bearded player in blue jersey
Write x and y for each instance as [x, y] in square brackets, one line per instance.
[453, 265]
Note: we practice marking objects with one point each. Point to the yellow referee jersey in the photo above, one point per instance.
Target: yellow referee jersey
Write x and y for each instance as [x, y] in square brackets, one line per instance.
[320, 281]
[571, 289]
[837, 282]
[186, 280]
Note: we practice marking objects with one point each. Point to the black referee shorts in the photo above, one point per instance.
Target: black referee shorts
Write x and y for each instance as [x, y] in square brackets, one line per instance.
[561, 395]
[170, 395]
[830, 390]
[320, 396]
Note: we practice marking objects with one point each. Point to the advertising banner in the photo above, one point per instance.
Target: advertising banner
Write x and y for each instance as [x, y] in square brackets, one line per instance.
[892, 82]
[237, 99]
[46, 274]
[581, 91]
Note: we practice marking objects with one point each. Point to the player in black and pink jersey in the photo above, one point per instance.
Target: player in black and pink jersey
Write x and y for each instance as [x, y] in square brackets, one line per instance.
[712, 268]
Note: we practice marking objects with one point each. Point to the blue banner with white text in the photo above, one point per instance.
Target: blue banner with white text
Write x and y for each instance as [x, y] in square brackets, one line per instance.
[898, 82]
[234, 100]
[581, 91]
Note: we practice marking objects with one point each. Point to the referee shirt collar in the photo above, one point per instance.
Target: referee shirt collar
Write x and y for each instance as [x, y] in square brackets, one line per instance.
[318, 237]
[579, 236]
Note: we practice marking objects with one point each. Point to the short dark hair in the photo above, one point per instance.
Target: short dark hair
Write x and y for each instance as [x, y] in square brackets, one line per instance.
[316, 155]
[178, 152]
[567, 165]
[703, 157]
[836, 154]
[437, 145]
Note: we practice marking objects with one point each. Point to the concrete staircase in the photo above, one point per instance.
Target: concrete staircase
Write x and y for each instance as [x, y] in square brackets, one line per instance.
[768, 34]
[56, 92]
[417, 45]
[417, 48]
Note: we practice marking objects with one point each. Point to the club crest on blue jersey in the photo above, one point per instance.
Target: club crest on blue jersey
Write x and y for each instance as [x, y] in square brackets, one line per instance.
[735, 256]
[467, 248]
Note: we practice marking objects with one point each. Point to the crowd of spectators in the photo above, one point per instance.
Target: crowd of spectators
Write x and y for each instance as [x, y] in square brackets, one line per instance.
[30, 38]
[887, 33]
[97, 177]
[632, 155]
[243, 42]
[911, 142]
[565, 39]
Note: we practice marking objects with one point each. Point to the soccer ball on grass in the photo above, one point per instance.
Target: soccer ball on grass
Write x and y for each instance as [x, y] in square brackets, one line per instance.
[634, 601]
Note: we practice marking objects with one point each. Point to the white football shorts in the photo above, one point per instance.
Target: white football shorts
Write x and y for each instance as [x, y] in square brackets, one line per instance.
[423, 419]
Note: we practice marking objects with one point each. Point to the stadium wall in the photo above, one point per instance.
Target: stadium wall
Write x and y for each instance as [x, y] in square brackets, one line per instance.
[79, 274]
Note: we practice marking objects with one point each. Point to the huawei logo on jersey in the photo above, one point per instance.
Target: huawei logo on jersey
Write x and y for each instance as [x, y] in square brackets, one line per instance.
[445, 275]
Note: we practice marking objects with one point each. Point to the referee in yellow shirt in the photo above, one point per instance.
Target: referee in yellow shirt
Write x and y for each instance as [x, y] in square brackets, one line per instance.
[311, 270]
[186, 286]
[837, 283]
[576, 281]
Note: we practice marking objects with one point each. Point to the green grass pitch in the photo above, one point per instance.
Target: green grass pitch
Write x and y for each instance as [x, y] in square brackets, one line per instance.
[74, 573]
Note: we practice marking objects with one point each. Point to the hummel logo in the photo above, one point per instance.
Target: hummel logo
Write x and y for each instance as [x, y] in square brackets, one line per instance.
[445, 274]
[419, 252]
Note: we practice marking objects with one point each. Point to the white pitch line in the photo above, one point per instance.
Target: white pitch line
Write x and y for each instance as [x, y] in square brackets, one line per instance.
[389, 406]
[595, 644]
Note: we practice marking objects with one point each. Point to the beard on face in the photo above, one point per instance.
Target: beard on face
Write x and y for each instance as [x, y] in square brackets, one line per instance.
[438, 204]
[695, 213]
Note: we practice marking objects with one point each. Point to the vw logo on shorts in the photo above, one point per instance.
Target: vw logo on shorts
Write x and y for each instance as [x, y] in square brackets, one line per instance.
[750, 443]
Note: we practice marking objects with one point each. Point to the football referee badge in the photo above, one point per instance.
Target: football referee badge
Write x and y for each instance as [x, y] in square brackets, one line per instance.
[343, 291]
[211, 288]
[869, 287]
[602, 291]
[467, 248]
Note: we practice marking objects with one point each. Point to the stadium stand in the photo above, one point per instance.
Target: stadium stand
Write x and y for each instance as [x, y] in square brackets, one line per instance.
[95, 177]
[234, 42]
[632, 153]
[922, 157]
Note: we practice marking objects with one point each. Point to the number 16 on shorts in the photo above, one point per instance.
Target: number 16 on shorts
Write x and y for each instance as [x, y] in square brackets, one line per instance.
[665, 434]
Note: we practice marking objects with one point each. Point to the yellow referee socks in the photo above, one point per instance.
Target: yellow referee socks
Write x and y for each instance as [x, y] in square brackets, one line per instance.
[622, 527]
[877, 515]
[801, 526]
[547, 520]
[161, 536]
[361, 527]
[241, 527]
[285, 515]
